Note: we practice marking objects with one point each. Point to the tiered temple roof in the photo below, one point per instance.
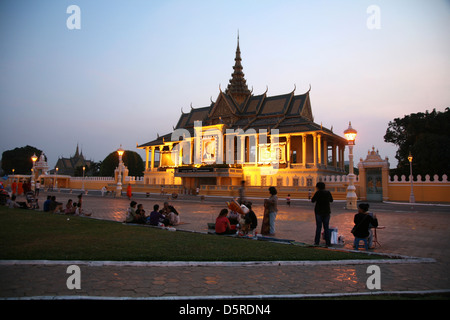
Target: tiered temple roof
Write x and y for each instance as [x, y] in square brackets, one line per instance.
[68, 165]
[238, 108]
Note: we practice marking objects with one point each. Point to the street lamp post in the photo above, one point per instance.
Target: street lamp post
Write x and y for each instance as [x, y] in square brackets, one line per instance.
[34, 159]
[120, 152]
[82, 181]
[350, 135]
[56, 179]
[412, 199]
[12, 182]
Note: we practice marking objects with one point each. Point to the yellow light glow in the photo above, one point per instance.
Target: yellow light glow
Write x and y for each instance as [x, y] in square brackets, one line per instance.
[120, 151]
[410, 157]
[350, 134]
[34, 158]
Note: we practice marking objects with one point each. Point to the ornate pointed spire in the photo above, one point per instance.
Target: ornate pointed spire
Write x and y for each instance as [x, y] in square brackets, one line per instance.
[238, 85]
[77, 154]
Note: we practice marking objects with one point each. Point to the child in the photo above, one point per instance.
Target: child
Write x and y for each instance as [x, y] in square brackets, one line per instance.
[80, 212]
[223, 224]
[251, 221]
[288, 200]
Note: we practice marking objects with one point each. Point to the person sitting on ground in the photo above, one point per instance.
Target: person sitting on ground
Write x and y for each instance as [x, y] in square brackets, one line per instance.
[47, 204]
[11, 202]
[223, 224]
[362, 221]
[251, 222]
[140, 211]
[233, 217]
[78, 210]
[70, 208]
[55, 206]
[132, 216]
[171, 214]
[156, 218]
[32, 201]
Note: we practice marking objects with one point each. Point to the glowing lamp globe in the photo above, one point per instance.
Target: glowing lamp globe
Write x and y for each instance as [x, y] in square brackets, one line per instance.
[120, 152]
[350, 134]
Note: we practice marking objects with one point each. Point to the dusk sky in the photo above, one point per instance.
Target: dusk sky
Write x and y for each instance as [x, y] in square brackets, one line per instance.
[125, 75]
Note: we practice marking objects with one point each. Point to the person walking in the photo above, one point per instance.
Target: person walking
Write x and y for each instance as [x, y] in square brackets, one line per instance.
[322, 199]
[129, 193]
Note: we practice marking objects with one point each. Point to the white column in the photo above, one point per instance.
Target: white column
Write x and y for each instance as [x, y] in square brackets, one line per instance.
[152, 165]
[146, 157]
[288, 149]
[319, 149]
[315, 149]
[304, 150]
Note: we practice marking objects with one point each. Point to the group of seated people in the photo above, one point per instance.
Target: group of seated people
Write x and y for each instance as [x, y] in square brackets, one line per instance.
[72, 208]
[30, 203]
[167, 216]
[231, 222]
[75, 208]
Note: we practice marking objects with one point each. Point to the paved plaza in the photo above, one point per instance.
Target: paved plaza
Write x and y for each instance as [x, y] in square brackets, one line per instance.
[419, 231]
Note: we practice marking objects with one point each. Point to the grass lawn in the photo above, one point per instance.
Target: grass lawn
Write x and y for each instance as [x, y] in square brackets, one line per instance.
[35, 235]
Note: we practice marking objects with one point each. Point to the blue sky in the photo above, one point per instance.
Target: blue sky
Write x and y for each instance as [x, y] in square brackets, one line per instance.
[125, 75]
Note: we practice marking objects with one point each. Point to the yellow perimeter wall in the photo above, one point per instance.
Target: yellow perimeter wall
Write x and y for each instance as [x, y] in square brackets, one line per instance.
[397, 191]
[424, 191]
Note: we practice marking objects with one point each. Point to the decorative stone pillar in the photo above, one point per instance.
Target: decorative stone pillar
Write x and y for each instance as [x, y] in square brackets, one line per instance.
[304, 150]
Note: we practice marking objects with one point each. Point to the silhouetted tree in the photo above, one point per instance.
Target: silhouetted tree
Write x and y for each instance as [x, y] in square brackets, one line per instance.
[19, 159]
[427, 137]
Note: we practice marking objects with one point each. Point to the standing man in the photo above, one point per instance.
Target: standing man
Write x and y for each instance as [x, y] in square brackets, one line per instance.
[242, 193]
[270, 213]
[322, 198]
[37, 187]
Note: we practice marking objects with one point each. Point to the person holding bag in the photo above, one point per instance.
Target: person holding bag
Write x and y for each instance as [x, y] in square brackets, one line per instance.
[322, 199]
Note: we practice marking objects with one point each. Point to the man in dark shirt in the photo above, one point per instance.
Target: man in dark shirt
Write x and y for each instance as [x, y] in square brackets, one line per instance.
[363, 221]
[47, 204]
[156, 217]
[322, 198]
[55, 206]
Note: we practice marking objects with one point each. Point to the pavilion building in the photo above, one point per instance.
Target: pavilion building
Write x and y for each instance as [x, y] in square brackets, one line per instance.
[241, 136]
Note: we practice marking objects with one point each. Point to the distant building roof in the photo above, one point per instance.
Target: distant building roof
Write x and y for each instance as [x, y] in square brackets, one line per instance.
[67, 166]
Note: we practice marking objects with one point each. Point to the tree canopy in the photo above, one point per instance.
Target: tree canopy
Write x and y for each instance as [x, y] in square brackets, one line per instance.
[19, 159]
[427, 137]
[131, 159]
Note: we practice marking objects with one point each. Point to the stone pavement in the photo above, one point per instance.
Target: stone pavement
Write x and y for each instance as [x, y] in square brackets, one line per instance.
[420, 231]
